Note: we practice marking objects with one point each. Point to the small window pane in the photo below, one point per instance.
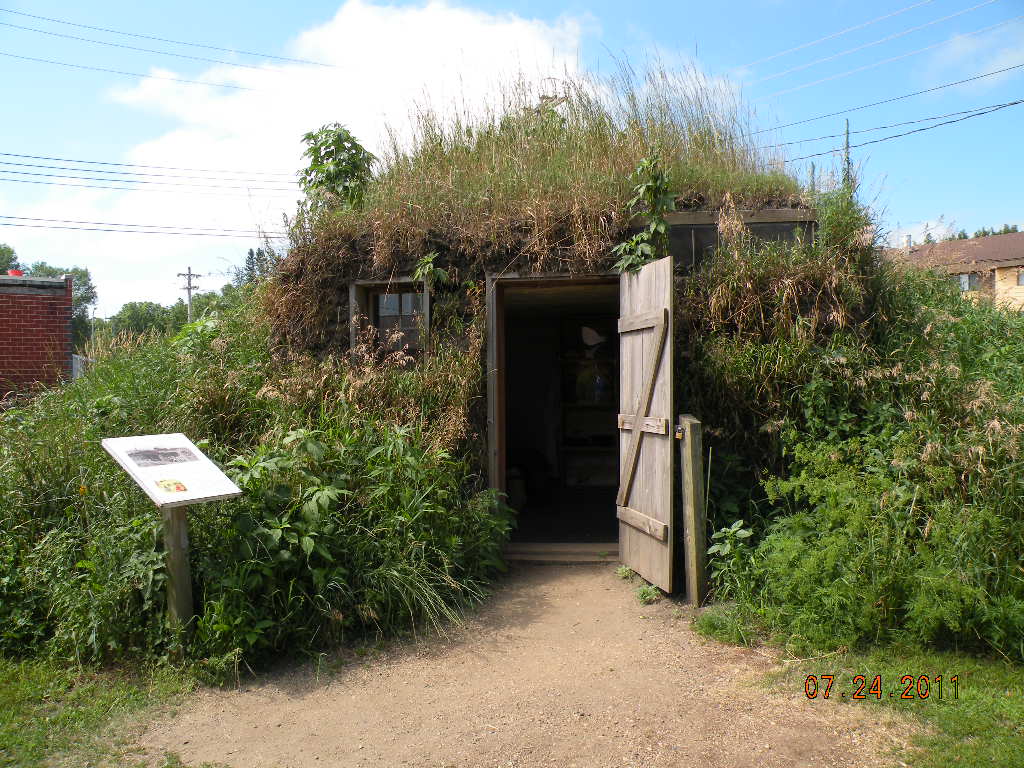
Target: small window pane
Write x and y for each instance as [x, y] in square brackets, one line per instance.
[974, 281]
[387, 304]
[964, 281]
[1020, 277]
[400, 311]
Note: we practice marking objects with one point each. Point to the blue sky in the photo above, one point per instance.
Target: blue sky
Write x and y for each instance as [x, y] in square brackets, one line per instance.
[387, 56]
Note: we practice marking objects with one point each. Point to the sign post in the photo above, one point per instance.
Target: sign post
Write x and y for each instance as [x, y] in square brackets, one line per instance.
[173, 473]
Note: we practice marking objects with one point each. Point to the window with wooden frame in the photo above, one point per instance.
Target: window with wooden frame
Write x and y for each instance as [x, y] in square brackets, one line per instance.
[398, 309]
[968, 281]
[1020, 276]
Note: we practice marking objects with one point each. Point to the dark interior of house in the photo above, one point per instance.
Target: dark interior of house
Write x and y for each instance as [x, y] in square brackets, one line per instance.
[562, 392]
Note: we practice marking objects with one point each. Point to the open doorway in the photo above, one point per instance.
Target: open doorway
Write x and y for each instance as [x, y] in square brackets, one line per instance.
[560, 381]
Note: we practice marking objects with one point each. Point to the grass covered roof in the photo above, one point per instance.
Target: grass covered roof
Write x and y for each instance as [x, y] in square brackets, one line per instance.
[539, 180]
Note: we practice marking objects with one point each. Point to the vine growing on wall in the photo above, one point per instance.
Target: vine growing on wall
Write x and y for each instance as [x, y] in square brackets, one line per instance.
[651, 197]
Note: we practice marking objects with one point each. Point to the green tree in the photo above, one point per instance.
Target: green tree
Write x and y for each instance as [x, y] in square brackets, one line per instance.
[339, 167]
[257, 265]
[1006, 229]
[141, 316]
[8, 258]
[83, 296]
[147, 316]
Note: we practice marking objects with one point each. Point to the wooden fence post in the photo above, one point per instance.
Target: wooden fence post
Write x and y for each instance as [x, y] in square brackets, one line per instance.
[691, 453]
[179, 576]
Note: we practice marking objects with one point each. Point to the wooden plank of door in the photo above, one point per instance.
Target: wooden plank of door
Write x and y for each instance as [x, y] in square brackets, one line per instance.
[642, 522]
[650, 424]
[647, 294]
[639, 321]
[643, 404]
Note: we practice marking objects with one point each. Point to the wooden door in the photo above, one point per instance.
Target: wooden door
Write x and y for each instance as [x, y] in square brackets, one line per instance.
[644, 501]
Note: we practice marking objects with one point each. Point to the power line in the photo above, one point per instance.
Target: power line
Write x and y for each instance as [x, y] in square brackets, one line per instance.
[124, 231]
[130, 47]
[892, 59]
[833, 35]
[908, 133]
[145, 226]
[135, 189]
[890, 125]
[873, 43]
[165, 40]
[137, 165]
[888, 101]
[121, 72]
[144, 181]
[136, 173]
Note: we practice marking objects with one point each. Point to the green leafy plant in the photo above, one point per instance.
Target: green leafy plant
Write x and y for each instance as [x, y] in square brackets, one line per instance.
[339, 167]
[648, 594]
[428, 273]
[652, 197]
[730, 557]
[362, 511]
[625, 573]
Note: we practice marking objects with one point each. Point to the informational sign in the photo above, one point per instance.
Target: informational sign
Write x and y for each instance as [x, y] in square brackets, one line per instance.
[170, 469]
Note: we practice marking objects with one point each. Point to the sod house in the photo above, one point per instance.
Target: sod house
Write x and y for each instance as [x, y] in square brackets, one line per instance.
[514, 221]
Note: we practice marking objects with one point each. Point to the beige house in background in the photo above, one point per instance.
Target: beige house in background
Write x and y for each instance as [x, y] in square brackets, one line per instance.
[983, 266]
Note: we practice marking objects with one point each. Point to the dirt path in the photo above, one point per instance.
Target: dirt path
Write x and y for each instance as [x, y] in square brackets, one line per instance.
[563, 667]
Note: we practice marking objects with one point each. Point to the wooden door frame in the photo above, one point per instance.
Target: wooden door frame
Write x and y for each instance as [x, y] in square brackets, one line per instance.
[496, 351]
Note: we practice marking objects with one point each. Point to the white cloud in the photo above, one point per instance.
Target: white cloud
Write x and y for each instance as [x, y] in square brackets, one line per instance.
[386, 58]
[938, 228]
[967, 56]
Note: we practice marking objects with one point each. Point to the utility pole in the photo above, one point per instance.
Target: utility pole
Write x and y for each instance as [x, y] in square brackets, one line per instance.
[847, 169]
[188, 288]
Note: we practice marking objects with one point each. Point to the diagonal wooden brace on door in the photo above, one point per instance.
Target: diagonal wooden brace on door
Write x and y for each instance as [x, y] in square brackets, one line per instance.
[658, 321]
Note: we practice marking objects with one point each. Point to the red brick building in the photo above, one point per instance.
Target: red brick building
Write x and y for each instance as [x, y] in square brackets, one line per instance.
[35, 331]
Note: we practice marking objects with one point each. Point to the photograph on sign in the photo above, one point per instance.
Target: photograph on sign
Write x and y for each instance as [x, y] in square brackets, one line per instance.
[170, 469]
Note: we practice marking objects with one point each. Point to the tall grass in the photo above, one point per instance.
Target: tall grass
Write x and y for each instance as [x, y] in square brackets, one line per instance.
[548, 167]
[538, 179]
[359, 514]
[867, 425]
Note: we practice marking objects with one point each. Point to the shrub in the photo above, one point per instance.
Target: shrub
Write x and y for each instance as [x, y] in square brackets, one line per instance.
[360, 513]
[881, 415]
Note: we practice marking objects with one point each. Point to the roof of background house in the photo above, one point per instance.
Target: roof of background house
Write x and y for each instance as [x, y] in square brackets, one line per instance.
[979, 253]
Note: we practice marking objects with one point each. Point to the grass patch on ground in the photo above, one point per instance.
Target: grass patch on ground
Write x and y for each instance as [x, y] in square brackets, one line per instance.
[55, 714]
[982, 726]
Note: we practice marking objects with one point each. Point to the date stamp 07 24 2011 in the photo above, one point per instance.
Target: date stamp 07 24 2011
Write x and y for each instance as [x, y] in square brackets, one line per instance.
[863, 687]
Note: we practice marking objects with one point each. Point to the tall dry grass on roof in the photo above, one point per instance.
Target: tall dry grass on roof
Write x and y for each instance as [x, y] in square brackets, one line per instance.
[539, 180]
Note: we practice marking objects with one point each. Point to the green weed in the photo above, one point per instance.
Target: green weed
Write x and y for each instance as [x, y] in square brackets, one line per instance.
[625, 573]
[648, 594]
